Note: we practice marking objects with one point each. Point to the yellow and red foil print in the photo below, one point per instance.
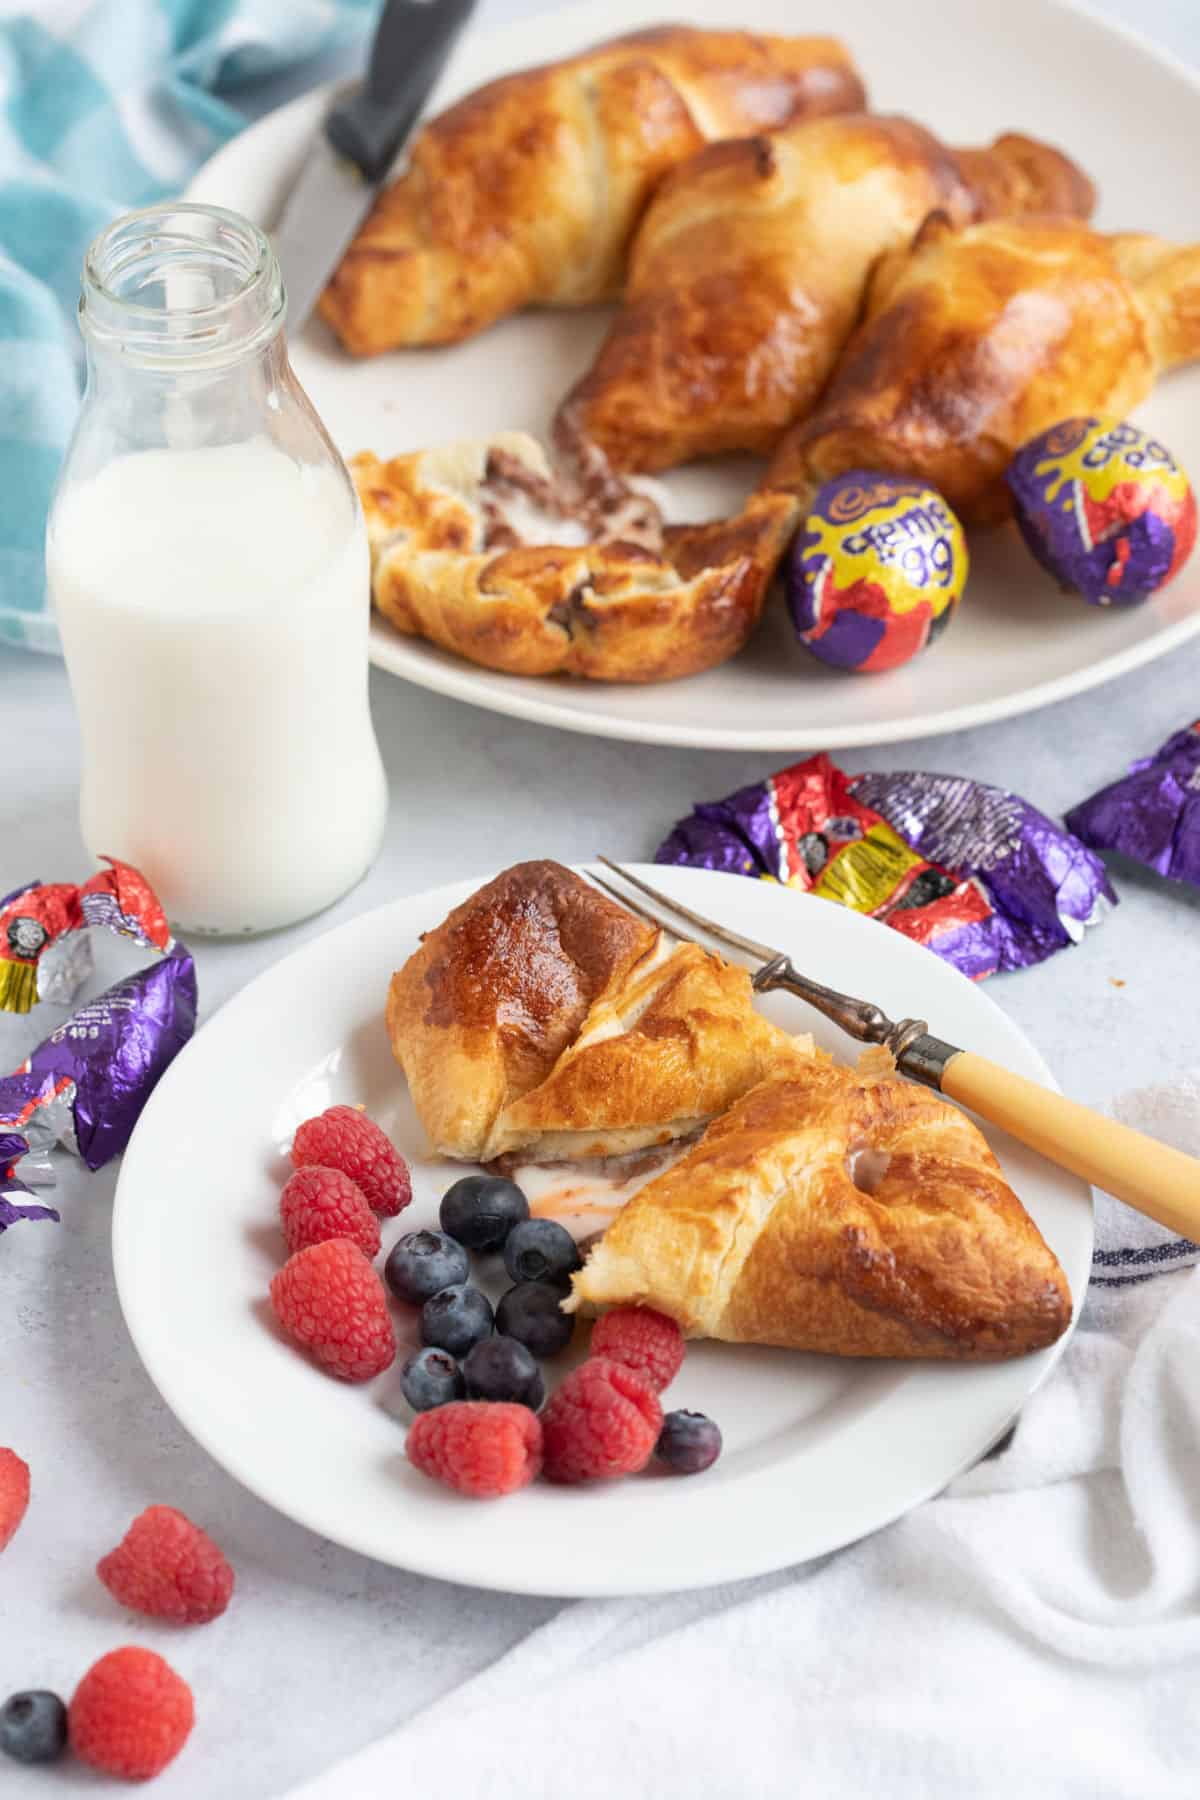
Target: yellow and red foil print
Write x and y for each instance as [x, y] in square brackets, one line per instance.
[831, 845]
[36, 917]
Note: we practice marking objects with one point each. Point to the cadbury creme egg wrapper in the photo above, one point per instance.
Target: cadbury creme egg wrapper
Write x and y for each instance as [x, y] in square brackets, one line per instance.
[1105, 508]
[876, 571]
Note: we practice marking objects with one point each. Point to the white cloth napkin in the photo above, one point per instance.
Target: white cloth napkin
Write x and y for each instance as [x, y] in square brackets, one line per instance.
[1033, 1632]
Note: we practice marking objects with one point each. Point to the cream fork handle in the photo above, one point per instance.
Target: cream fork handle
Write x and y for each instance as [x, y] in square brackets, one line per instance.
[1149, 1176]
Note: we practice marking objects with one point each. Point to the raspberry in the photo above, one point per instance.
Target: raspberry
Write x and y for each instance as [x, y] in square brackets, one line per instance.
[480, 1447]
[168, 1568]
[323, 1203]
[14, 1493]
[604, 1420]
[131, 1714]
[343, 1138]
[330, 1299]
[645, 1341]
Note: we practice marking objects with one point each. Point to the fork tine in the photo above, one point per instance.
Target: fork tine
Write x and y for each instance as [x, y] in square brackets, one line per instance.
[763, 953]
[643, 912]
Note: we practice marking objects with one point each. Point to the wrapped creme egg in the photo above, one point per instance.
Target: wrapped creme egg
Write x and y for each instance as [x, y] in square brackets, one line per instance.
[1105, 509]
[876, 571]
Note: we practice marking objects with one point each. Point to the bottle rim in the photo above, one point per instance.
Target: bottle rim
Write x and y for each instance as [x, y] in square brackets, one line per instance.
[217, 289]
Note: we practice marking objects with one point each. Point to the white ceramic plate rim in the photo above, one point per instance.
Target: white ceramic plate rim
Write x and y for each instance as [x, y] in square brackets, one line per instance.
[439, 672]
[925, 1437]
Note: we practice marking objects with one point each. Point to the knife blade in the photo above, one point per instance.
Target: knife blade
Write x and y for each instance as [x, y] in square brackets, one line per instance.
[359, 140]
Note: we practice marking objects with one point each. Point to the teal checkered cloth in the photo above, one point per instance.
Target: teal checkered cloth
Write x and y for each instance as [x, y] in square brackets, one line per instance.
[105, 105]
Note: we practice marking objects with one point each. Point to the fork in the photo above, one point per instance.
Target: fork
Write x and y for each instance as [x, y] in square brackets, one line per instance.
[1151, 1177]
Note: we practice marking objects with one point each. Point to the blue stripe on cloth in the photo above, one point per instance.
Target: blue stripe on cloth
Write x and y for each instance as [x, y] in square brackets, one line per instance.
[1151, 1253]
[116, 112]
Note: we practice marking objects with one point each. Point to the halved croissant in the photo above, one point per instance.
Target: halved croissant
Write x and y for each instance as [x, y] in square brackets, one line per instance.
[541, 1019]
[747, 273]
[759, 1235]
[527, 191]
[474, 548]
[976, 340]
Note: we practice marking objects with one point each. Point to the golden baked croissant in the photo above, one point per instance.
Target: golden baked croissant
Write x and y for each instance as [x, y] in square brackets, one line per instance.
[746, 276]
[976, 340]
[481, 549]
[540, 1018]
[761, 1235]
[527, 191]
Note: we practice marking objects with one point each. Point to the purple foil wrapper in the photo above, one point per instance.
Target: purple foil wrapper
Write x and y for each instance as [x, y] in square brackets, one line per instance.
[1153, 813]
[1010, 887]
[93, 1076]
[1046, 886]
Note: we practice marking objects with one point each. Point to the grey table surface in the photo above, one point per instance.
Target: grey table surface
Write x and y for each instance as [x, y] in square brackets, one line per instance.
[324, 1650]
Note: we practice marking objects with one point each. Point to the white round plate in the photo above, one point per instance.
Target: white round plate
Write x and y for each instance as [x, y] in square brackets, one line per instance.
[818, 1451]
[1125, 112]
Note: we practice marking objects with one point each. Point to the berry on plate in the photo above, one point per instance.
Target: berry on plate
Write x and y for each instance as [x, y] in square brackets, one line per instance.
[689, 1442]
[498, 1368]
[431, 1378]
[168, 1568]
[532, 1313]
[644, 1340]
[477, 1447]
[481, 1210]
[456, 1319]
[14, 1493]
[33, 1727]
[130, 1715]
[422, 1263]
[343, 1138]
[331, 1301]
[322, 1203]
[541, 1250]
[602, 1421]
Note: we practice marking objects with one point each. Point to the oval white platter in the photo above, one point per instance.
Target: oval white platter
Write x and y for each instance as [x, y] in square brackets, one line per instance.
[1127, 113]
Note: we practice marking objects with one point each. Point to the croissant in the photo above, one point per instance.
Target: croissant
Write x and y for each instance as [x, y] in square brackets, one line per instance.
[747, 273]
[977, 340]
[827, 1211]
[542, 1019]
[481, 549]
[528, 190]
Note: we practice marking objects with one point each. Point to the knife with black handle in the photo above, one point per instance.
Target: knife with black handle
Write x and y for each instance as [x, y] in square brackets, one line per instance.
[360, 139]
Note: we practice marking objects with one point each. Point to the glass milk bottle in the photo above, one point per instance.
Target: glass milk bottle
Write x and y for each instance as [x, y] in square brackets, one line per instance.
[207, 562]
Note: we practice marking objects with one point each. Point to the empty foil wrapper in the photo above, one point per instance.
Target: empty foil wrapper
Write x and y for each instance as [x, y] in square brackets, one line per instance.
[971, 871]
[44, 949]
[1153, 813]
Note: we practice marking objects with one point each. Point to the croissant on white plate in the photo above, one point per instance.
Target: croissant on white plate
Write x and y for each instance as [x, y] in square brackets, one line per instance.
[528, 190]
[976, 340]
[833, 1211]
[483, 550]
[541, 1019]
[747, 274]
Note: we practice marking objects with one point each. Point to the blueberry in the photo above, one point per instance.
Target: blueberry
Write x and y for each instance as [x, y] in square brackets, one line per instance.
[422, 1263]
[431, 1378]
[456, 1319]
[541, 1250]
[33, 1727]
[532, 1313]
[501, 1369]
[688, 1442]
[481, 1210]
